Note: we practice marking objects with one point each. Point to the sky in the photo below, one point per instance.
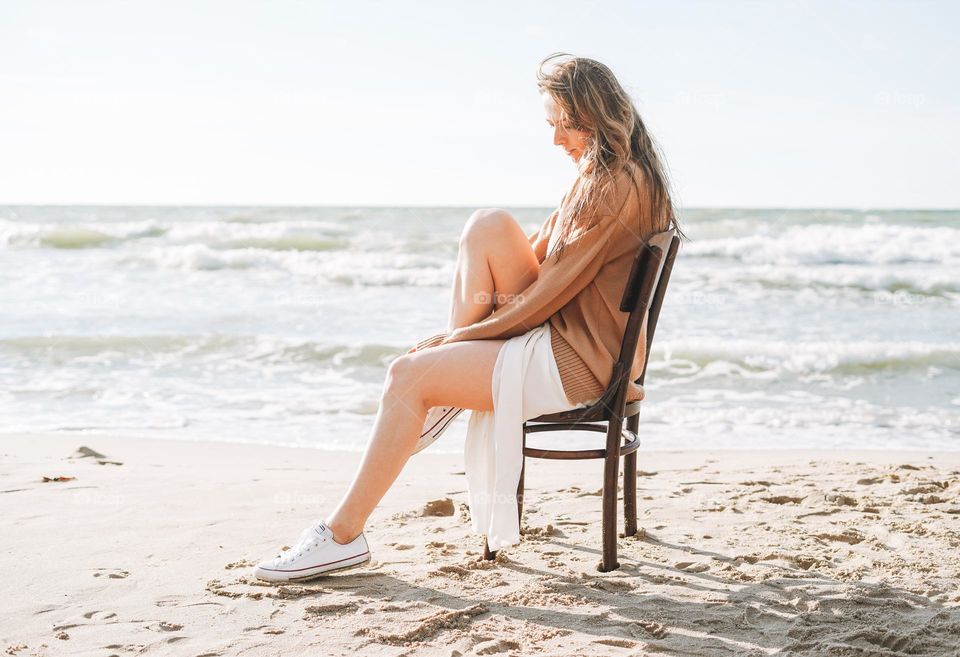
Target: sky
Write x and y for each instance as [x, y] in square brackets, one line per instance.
[754, 104]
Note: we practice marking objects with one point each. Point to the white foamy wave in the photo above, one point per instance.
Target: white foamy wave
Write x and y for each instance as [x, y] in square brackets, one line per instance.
[880, 282]
[54, 235]
[201, 257]
[724, 419]
[709, 358]
[157, 350]
[275, 236]
[335, 268]
[226, 234]
[869, 244]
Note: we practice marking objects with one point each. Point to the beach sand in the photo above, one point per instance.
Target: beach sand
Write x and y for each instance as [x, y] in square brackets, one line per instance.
[150, 549]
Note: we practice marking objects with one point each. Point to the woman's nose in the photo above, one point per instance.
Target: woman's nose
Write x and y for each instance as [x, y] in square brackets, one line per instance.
[557, 139]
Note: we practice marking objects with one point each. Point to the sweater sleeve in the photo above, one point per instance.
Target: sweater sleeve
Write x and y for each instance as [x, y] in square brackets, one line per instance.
[541, 238]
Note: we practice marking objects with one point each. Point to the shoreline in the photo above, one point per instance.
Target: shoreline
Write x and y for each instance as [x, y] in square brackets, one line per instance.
[454, 435]
[756, 551]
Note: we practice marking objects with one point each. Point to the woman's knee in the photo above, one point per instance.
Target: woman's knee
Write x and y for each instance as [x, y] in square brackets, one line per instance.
[403, 374]
[488, 224]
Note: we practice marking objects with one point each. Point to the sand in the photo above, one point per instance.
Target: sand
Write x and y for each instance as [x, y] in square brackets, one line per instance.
[149, 549]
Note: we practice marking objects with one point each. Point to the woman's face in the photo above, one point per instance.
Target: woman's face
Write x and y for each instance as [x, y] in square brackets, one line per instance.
[573, 141]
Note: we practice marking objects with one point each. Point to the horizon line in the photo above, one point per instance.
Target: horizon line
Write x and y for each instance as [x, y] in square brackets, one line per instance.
[468, 206]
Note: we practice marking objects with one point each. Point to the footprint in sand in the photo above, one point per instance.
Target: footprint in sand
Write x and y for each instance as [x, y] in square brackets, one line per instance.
[429, 626]
[266, 629]
[655, 629]
[442, 546]
[441, 507]
[612, 585]
[840, 499]
[783, 499]
[334, 608]
[616, 643]
[494, 646]
[692, 566]
[112, 573]
[133, 648]
[164, 626]
[850, 536]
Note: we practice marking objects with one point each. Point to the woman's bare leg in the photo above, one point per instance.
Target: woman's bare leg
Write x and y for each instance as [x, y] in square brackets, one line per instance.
[495, 259]
[456, 374]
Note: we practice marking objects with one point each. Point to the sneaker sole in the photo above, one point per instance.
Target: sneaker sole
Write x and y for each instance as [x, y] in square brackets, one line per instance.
[325, 570]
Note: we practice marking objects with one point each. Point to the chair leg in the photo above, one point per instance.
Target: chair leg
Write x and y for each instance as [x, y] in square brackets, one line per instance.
[523, 467]
[630, 484]
[488, 554]
[611, 470]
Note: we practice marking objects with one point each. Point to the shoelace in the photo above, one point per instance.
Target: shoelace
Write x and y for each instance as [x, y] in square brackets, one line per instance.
[303, 543]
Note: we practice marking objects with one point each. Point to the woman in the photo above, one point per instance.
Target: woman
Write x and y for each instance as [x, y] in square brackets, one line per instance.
[534, 321]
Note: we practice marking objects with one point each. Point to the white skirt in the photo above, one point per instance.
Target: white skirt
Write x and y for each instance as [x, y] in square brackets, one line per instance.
[526, 383]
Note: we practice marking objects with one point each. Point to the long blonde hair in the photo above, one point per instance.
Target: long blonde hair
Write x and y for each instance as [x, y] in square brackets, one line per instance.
[591, 99]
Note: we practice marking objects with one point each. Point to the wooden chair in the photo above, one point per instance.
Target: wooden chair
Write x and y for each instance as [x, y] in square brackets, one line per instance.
[642, 298]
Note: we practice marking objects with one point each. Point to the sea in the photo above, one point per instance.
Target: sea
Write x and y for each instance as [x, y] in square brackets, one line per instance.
[781, 328]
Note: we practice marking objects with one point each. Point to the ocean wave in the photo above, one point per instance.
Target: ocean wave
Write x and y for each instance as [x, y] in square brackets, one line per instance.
[346, 268]
[702, 357]
[881, 283]
[290, 243]
[680, 358]
[279, 236]
[76, 236]
[162, 349]
[228, 234]
[831, 244]
[727, 419]
[274, 236]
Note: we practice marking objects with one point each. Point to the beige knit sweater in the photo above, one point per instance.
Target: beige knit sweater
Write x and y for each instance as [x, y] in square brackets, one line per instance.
[579, 295]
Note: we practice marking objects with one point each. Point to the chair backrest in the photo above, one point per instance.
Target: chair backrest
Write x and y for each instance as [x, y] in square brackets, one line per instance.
[646, 306]
[642, 298]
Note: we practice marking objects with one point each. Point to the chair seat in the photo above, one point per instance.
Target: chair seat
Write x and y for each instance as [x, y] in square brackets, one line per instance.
[596, 412]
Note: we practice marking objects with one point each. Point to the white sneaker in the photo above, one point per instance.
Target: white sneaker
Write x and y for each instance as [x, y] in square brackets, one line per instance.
[314, 553]
[438, 419]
